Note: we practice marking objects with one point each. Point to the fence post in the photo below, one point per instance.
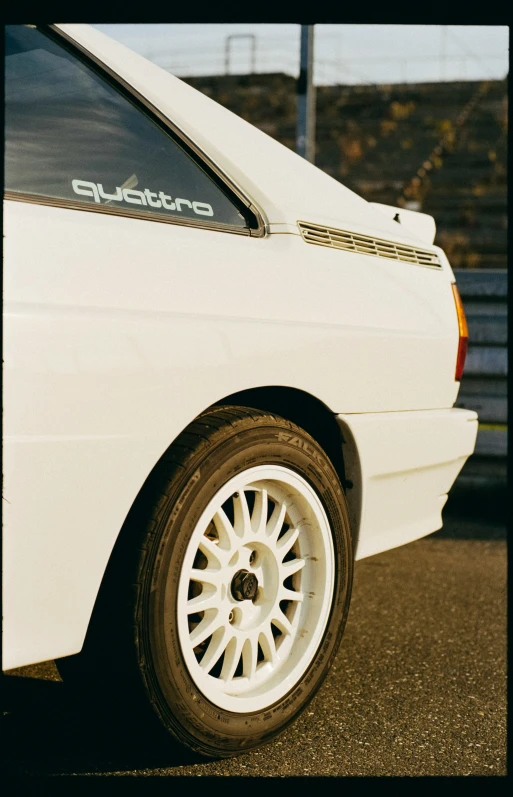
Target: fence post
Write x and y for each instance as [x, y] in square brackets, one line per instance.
[227, 46]
[305, 140]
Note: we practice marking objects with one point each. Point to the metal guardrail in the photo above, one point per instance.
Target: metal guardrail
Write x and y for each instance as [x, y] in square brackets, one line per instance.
[484, 383]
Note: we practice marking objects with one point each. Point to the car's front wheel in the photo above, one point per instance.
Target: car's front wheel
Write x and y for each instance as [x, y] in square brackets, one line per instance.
[243, 580]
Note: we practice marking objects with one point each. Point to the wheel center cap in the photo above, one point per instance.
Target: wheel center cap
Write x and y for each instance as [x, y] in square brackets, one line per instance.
[244, 585]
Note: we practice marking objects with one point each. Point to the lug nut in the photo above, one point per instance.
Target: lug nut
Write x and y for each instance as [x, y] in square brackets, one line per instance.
[244, 585]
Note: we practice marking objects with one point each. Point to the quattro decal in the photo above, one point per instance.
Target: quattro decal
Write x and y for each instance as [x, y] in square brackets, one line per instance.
[146, 197]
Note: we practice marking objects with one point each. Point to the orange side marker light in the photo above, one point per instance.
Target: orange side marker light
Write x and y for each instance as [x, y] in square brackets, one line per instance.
[463, 330]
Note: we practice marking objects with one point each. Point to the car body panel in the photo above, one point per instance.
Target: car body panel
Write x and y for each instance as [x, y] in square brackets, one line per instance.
[119, 331]
[401, 466]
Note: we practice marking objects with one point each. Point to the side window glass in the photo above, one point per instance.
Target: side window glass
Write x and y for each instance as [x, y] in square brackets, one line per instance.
[70, 135]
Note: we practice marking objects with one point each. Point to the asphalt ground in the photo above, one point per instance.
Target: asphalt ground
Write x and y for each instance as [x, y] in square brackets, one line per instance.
[418, 686]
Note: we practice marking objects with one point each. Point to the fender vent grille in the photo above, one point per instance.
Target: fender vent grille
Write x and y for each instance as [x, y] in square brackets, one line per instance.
[367, 245]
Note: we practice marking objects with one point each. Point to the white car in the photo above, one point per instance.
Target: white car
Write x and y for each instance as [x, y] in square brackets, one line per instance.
[226, 377]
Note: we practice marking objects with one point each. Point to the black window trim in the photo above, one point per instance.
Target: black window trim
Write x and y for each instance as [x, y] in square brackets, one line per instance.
[235, 195]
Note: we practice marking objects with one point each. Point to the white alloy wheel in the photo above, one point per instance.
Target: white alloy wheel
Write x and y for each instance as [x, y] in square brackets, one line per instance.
[229, 591]
[256, 588]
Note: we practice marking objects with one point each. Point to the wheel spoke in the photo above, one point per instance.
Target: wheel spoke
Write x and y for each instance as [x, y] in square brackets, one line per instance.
[287, 541]
[215, 648]
[208, 599]
[282, 623]
[242, 521]
[291, 567]
[231, 658]
[249, 657]
[212, 552]
[289, 595]
[206, 576]
[227, 536]
[209, 624]
[259, 516]
[268, 645]
[276, 521]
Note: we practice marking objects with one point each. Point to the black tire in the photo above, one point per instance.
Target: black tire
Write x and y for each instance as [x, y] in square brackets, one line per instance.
[133, 646]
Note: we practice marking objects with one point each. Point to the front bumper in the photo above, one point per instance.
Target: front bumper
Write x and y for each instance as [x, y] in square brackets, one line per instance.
[402, 466]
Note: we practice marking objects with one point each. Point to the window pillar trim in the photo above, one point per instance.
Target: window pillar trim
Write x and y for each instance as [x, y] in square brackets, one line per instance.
[171, 128]
[70, 204]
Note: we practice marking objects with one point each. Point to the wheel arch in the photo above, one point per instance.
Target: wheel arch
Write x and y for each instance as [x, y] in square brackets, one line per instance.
[331, 433]
[295, 405]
